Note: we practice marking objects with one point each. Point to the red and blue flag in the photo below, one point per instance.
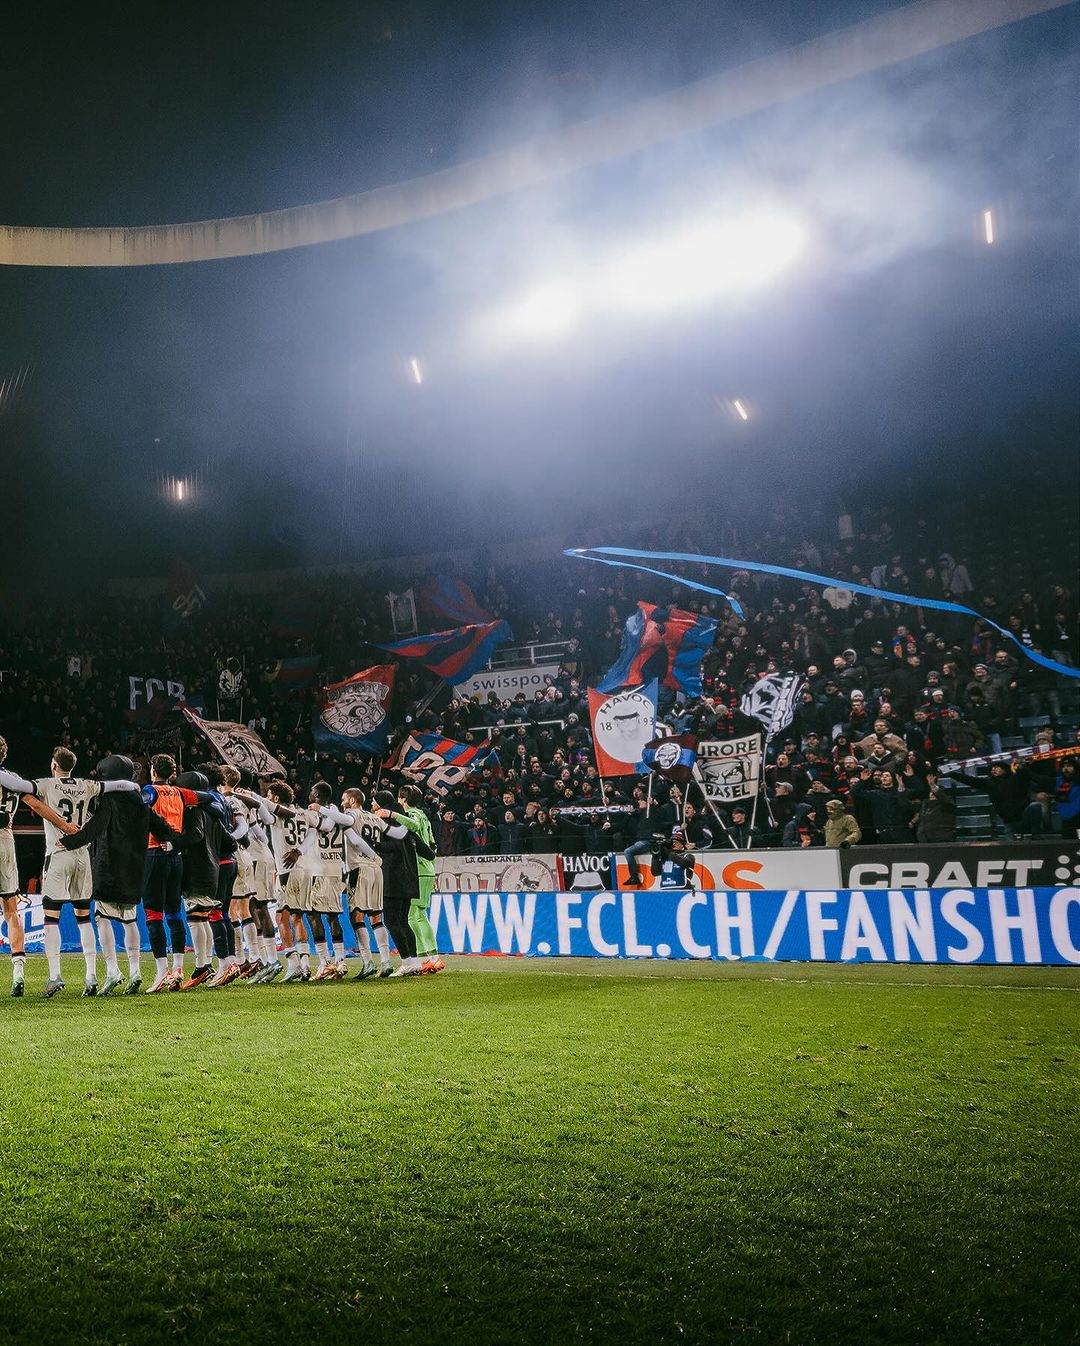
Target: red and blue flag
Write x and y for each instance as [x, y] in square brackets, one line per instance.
[450, 598]
[290, 674]
[664, 643]
[453, 655]
[441, 763]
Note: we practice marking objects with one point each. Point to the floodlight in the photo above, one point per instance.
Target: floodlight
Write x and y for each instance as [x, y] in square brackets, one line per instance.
[545, 313]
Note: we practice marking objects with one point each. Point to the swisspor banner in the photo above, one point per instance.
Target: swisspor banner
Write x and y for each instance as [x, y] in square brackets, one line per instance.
[622, 724]
[1003, 926]
[442, 762]
[354, 715]
[729, 769]
[236, 744]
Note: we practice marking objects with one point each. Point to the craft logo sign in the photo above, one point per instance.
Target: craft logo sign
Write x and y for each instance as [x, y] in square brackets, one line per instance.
[1036, 864]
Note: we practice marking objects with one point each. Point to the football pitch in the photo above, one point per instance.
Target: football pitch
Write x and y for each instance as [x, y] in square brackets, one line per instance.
[547, 1151]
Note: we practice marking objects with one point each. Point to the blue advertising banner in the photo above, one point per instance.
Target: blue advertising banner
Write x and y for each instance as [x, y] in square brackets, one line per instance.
[945, 925]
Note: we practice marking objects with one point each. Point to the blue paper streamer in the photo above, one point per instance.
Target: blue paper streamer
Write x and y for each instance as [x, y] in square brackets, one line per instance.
[600, 555]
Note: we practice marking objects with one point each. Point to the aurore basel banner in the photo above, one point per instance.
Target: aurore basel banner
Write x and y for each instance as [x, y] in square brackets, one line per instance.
[943, 925]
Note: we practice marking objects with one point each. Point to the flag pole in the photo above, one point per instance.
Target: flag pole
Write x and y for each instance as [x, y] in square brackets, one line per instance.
[713, 810]
[603, 793]
[648, 796]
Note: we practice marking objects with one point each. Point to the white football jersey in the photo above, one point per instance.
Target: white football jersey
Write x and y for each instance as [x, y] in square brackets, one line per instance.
[287, 834]
[259, 851]
[326, 856]
[371, 829]
[73, 799]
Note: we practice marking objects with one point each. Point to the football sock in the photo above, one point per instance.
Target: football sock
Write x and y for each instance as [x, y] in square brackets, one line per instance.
[18, 966]
[107, 937]
[305, 962]
[382, 942]
[178, 962]
[133, 948]
[177, 940]
[161, 967]
[52, 949]
[250, 940]
[89, 948]
[155, 930]
[321, 950]
[363, 941]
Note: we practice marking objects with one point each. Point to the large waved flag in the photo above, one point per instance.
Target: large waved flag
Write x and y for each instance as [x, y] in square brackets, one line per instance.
[622, 724]
[446, 596]
[772, 701]
[664, 643]
[441, 762]
[355, 714]
[453, 655]
[239, 746]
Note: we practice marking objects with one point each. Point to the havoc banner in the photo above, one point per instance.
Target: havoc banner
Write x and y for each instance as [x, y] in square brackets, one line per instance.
[1022, 926]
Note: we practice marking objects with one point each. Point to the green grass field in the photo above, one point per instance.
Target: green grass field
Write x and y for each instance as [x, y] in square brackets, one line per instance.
[523, 1151]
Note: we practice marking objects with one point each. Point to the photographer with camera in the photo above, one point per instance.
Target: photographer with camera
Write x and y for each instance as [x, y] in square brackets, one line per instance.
[677, 849]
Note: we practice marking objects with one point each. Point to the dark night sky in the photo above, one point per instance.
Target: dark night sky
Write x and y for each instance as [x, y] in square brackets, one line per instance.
[900, 339]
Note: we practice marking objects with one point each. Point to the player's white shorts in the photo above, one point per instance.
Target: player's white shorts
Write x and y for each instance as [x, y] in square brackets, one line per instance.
[201, 903]
[245, 874]
[115, 911]
[67, 878]
[265, 882]
[297, 892]
[325, 893]
[366, 894]
[9, 870]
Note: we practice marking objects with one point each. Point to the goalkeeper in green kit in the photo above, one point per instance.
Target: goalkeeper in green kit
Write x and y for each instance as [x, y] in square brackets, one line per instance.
[416, 820]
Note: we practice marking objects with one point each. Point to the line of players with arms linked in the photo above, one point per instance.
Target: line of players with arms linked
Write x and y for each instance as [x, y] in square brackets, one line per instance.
[246, 867]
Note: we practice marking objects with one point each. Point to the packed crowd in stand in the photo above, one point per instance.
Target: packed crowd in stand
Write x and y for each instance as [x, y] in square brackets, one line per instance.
[892, 690]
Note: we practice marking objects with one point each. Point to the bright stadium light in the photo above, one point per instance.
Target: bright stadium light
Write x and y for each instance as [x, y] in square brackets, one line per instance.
[988, 225]
[703, 262]
[416, 371]
[548, 312]
[740, 410]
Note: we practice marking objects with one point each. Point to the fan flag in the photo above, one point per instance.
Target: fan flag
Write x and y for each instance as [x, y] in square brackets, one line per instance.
[664, 643]
[673, 757]
[184, 596]
[355, 714]
[451, 598]
[772, 701]
[236, 744]
[622, 724]
[453, 655]
[293, 673]
[442, 762]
